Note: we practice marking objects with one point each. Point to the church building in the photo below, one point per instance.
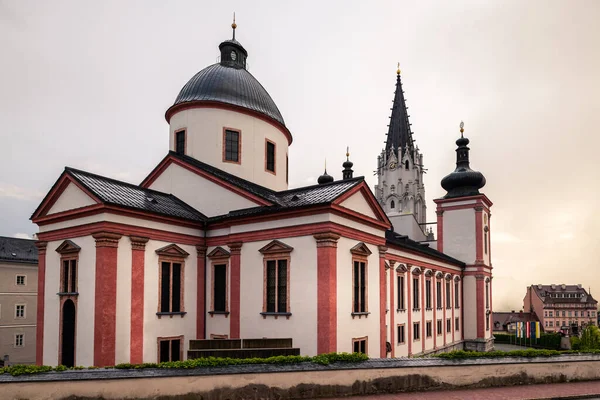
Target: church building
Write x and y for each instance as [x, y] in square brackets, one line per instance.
[213, 243]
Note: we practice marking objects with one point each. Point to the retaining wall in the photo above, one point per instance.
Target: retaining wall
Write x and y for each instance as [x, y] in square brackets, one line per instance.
[300, 380]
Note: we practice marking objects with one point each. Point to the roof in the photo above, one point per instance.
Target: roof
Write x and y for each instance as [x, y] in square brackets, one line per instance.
[228, 85]
[399, 134]
[547, 292]
[22, 251]
[111, 191]
[403, 241]
[505, 318]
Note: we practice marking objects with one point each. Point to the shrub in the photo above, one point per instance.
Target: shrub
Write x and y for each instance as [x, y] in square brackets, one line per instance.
[575, 343]
[590, 338]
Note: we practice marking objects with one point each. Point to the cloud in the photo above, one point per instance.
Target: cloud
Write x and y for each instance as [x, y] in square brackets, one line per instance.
[20, 193]
[504, 237]
[22, 236]
[566, 236]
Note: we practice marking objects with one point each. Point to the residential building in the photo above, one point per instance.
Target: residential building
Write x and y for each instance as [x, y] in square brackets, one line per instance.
[214, 244]
[506, 322]
[18, 300]
[560, 306]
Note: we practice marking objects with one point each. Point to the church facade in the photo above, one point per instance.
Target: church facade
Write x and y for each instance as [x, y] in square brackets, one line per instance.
[213, 244]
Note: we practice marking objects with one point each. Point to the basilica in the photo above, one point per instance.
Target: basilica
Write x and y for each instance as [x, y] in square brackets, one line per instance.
[213, 244]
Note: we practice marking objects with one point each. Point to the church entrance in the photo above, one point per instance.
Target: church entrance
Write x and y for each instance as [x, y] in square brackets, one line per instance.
[68, 334]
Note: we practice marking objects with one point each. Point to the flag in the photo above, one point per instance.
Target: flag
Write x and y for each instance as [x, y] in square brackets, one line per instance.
[528, 330]
[538, 332]
[517, 329]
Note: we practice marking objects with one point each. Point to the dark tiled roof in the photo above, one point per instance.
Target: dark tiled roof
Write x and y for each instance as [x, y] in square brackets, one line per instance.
[18, 250]
[124, 194]
[404, 242]
[229, 85]
[505, 318]
[545, 293]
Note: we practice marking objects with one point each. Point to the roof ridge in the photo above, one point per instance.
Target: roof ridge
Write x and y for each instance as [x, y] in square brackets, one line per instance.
[15, 238]
[357, 179]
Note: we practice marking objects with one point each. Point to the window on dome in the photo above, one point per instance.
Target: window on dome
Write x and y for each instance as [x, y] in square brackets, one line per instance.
[232, 148]
[270, 156]
[180, 142]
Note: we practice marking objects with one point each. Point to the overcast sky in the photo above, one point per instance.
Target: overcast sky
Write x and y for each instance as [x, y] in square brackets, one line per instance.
[86, 84]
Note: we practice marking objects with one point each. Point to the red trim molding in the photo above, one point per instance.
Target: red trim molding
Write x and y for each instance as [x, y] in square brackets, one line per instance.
[201, 292]
[478, 235]
[480, 300]
[440, 230]
[136, 339]
[370, 199]
[105, 305]
[382, 303]
[409, 307]
[39, 338]
[235, 289]
[230, 107]
[392, 308]
[57, 189]
[326, 292]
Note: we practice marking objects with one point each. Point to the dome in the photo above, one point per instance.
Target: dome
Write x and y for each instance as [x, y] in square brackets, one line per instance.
[463, 181]
[227, 84]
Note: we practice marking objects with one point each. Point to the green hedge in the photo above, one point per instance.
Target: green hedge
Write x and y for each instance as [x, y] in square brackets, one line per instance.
[323, 359]
[546, 341]
[462, 354]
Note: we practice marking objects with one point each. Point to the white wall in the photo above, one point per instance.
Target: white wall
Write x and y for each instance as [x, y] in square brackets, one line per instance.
[358, 203]
[199, 192]
[166, 326]
[205, 143]
[349, 328]
[71, 198]
[123, 331]
[459, 234]
[469, 306]
[85, 302]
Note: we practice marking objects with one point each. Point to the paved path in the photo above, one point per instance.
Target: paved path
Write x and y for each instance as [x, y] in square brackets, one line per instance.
[575, 390]
[509, 347]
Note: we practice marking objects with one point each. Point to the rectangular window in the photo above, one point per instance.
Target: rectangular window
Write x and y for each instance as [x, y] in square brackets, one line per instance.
[456, 323]
[487, 295]
[416, 331]
[170, 287]
[69, 276]
[428, 294]
[287, 168]
[439, 327]
[19, 340]
[270, 156]
[438, 294]
[400, 280]
[170, 349]
[416, 294]
[401, 334]
[232, 146]
[20, 311]
[428, 329]
[456, 295]
[545, 313]
[277, 286]
[551, 324]
[20, 280]
[360, 287]
[220, 287]
[448, 295]
[448, 325]
[180, 142]
[359, 345]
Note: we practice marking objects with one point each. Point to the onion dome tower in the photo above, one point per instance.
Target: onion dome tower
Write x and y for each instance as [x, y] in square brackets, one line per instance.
[347, 172]
[463, 181]
[224, 117]
[325, 178]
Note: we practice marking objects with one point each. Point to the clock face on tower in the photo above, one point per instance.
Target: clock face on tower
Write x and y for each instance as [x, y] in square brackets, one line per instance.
[233, 55]
[392, 165]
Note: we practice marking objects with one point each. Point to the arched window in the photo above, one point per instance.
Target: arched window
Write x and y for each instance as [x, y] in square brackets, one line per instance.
[392, 204]
[406, 165]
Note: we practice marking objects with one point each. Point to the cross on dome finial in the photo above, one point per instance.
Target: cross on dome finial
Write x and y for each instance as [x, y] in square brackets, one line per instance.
[233, 25]
[348, 153]
[462, 128]
[398, 70]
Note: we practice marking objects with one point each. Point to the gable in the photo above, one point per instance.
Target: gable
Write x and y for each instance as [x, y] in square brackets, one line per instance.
[199, 192]
[172, 250]
[71, 198]
[358, 203]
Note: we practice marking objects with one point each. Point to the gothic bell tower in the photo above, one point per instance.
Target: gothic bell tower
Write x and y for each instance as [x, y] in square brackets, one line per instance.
[400, 189]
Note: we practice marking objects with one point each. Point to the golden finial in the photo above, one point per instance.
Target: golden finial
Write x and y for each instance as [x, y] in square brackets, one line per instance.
[347, 153]
[398, 70]
[234, 25]
[462, 128]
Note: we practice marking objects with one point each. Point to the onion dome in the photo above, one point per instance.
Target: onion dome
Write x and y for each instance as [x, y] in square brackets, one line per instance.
[347, 171]
[228, 83]
[463, 181]
[325, 178]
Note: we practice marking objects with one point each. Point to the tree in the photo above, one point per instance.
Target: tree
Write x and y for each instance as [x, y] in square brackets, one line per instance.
[590, 338]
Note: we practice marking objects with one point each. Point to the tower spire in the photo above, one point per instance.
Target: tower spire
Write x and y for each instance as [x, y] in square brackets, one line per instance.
[233, 25]
[399, 137]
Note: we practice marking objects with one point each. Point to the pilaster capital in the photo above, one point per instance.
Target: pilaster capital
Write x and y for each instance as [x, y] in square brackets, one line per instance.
[201, 250]
[382, 251]
[235, 248]
[106, 239]
[439, 212]
[327, 239]
[392, 263]
[478, 209]
[41, 246]
[138, 242]
[479, 277]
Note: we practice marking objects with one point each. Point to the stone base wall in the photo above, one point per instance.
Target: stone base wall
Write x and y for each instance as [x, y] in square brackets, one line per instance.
[479, 345]
[449, 348]
[300, 381]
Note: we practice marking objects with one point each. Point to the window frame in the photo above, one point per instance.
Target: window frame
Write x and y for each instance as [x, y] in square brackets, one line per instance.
[398, 336]
[416, 334]
[428, 296]
[184, 130]
[364, 339]
[439, 297]
[17, 280]
[456, 324]
[69, 251]
[15, 343]
[276, 251]
[456, 292]
[219, 256]
[448, 294]
[439, 327]
[415, 292]
[16, 314]
[239, 149]
[360, 254]
[171, 254]
[169, 339]
[428, 329]
[274, 171]
[448, 325]
[400, 292]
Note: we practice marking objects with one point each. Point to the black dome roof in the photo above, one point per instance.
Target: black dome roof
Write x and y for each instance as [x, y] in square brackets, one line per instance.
[229, 85]
[463, 181]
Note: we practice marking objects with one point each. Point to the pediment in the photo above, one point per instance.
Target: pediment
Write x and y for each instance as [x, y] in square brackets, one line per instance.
[361, 249]
[401, 268]
[417, 271]
[219, 252]
[172, 250]
[429, 273]
[276, 247]
[68, 247]
[439, 275]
